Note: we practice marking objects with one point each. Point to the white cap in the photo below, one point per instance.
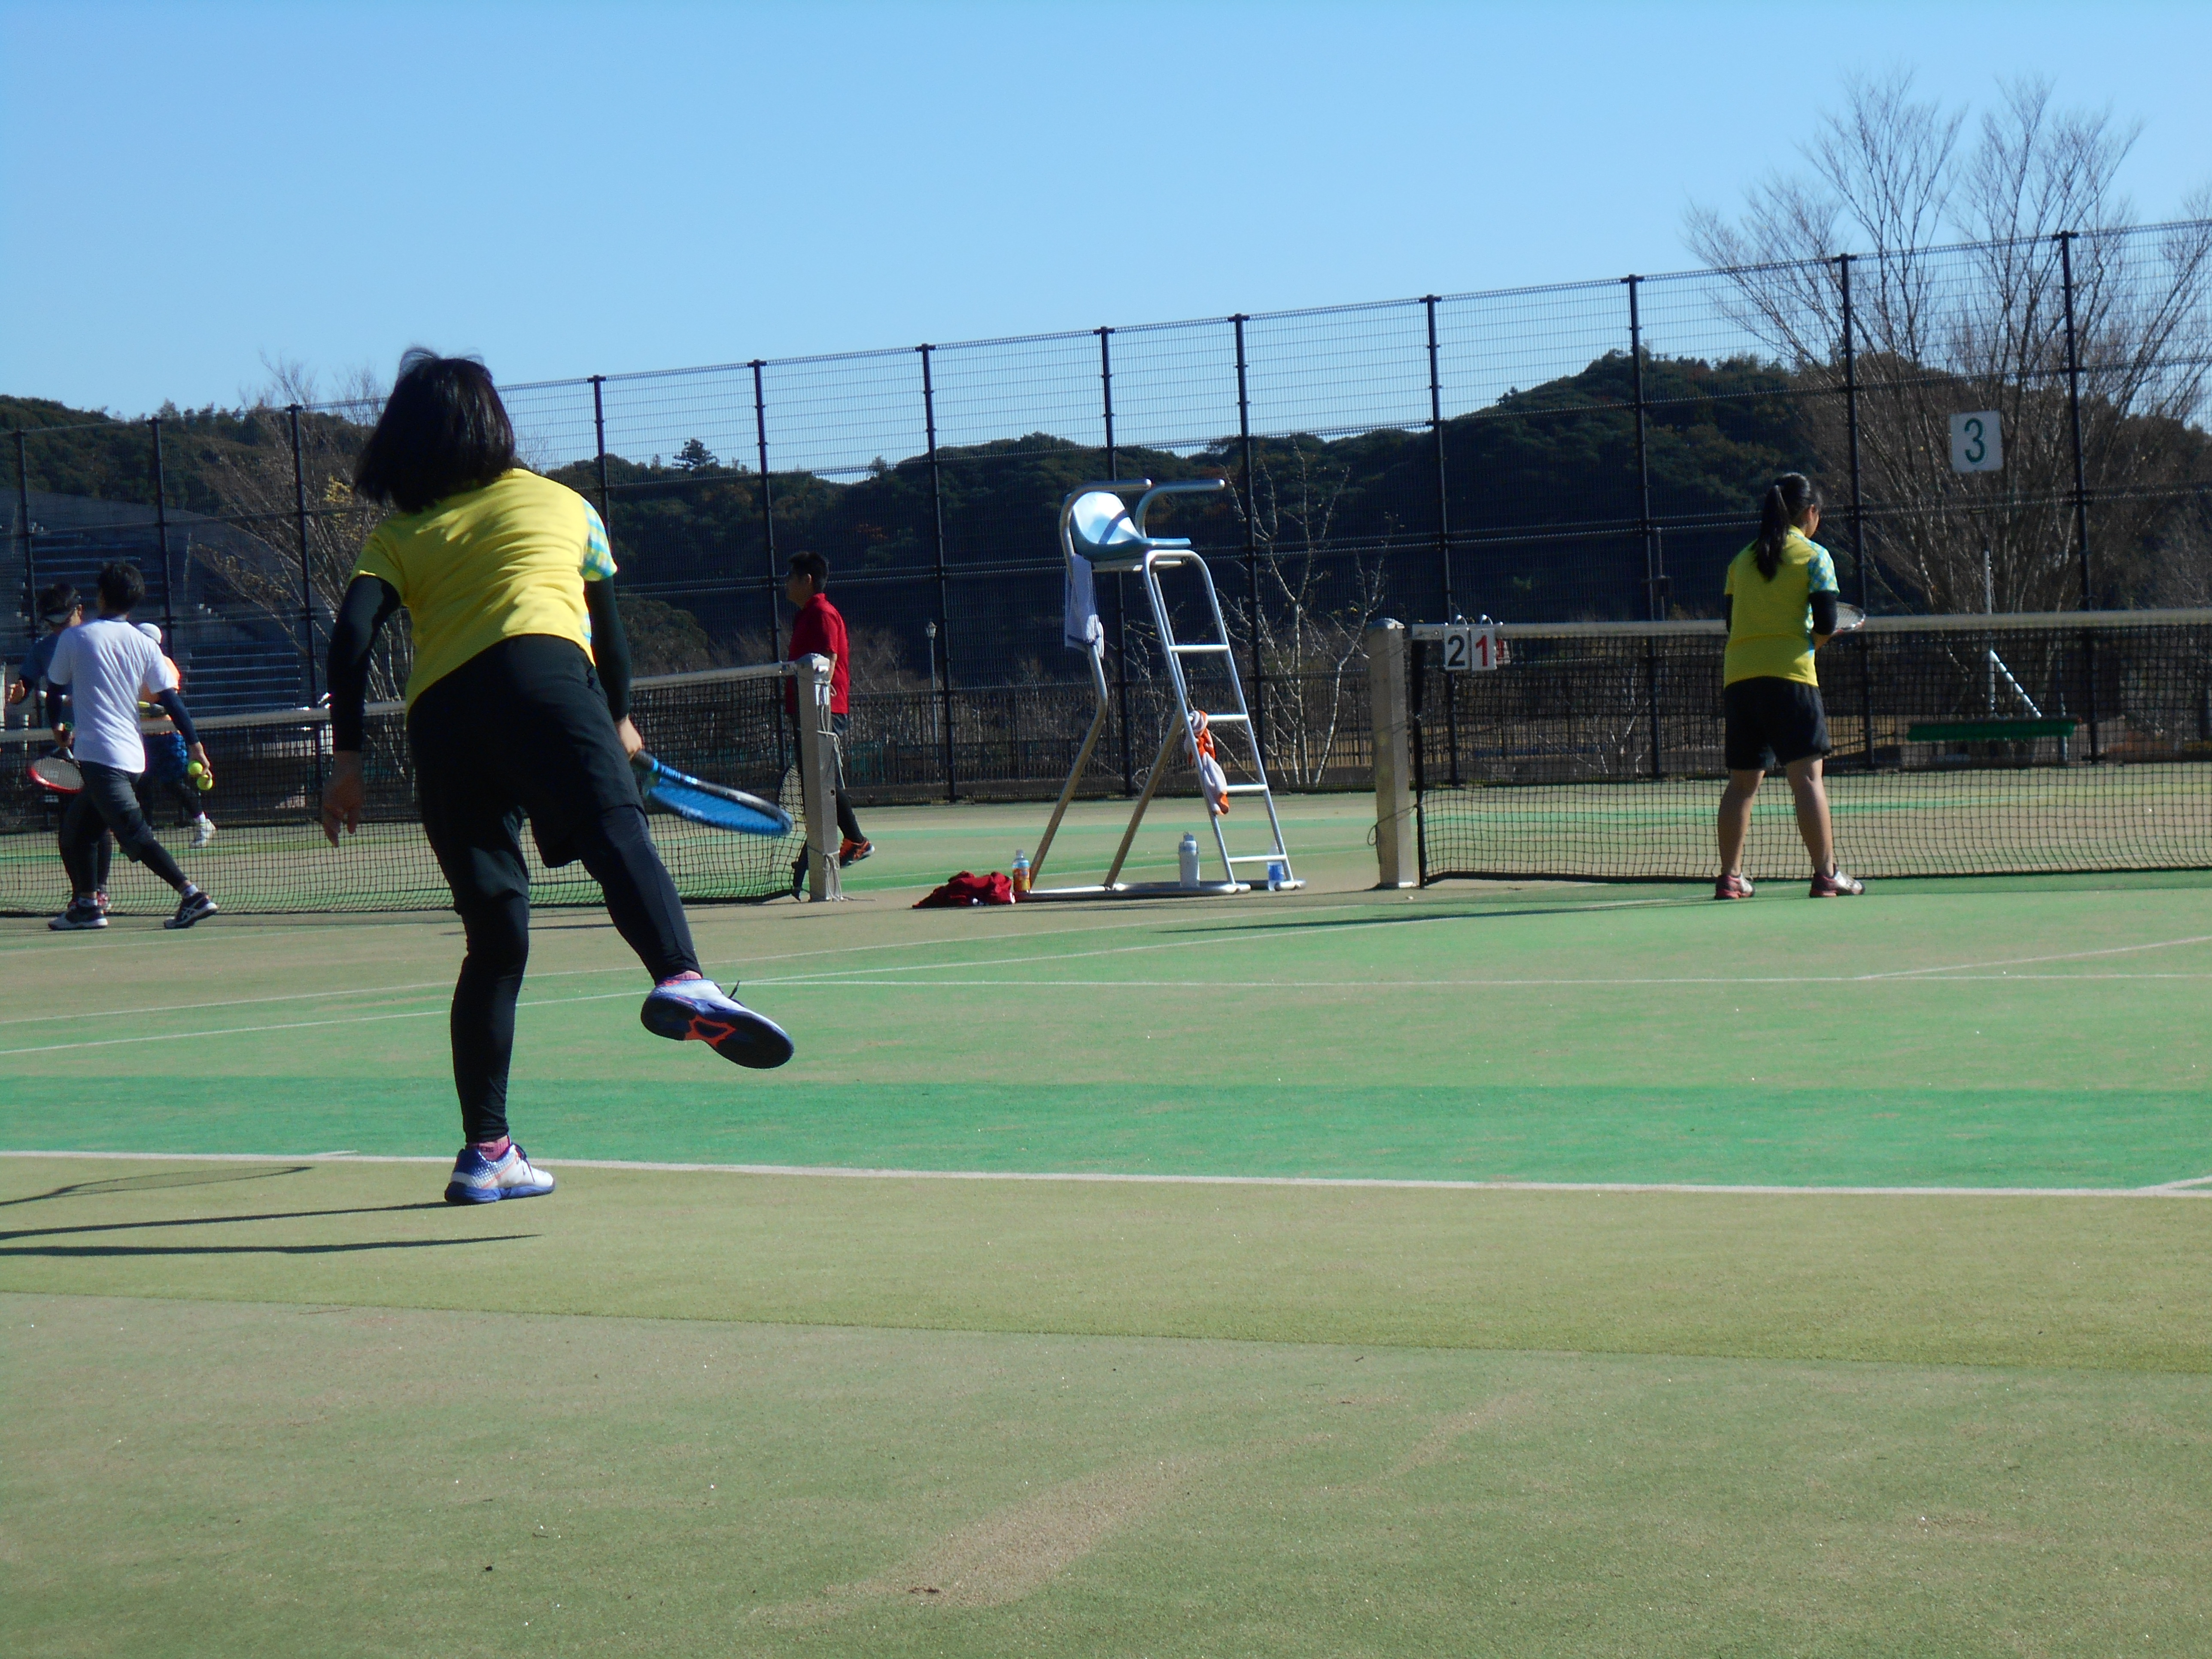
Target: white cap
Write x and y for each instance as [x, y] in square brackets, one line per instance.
[151, 630]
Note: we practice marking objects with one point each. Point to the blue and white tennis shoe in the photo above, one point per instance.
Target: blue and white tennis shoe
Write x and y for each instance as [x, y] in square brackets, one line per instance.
[481, 1180]
[698, 1011]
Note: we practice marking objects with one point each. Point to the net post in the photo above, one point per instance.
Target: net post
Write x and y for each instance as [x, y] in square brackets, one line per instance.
[1396, 857]
[818, 777]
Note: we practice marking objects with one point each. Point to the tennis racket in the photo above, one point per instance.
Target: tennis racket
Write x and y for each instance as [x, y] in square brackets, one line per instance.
[710, 804]
[57, 772]
[1848, 616]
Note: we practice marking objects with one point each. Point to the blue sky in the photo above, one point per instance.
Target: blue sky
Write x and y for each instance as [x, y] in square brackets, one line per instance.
[567, 189]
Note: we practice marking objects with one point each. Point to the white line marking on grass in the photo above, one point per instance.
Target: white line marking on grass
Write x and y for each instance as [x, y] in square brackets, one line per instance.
[2064, 956]
[813, 983]
[836, 1172]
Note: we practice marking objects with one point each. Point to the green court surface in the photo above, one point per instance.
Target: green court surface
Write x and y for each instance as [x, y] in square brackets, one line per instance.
[1528, 1268]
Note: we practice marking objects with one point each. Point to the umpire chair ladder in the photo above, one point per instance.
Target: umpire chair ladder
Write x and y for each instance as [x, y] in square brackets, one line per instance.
[1110, 538]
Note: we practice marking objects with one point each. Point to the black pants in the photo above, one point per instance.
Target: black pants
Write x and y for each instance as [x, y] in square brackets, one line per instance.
[523, 728]
[847, 825]
[109, 800]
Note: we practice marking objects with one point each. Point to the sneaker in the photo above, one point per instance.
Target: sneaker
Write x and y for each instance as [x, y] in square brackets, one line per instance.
[1732, 887]
[852, 852]
[194, 906]
[81, 914]
[799, 876]
[481, 1180]
[1838, 885]
[203, 830]
[696, 1011]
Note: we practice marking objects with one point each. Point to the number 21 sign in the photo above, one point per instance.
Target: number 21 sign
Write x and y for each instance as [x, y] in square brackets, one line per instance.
[1976, 446]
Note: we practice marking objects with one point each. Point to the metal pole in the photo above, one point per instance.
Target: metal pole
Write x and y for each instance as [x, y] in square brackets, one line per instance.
[768, 531]
[1120, 588]
[23, 529]
[306, 574]
[161, 529]
[1437, 427]
[1859, 554]
[1259, 700]
[1654, 584]
[1444, 518]
[2080, 479]
[767, 510]
[937, 534]
[599, 437]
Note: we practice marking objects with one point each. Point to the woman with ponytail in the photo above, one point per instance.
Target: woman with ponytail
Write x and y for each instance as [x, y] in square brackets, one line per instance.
[1781, 608]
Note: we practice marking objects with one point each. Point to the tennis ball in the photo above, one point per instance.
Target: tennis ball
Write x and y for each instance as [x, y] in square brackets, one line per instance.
[198, 774]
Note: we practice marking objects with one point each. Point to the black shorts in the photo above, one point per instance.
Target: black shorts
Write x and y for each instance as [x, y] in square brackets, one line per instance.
[1772, 722]
[521, 729]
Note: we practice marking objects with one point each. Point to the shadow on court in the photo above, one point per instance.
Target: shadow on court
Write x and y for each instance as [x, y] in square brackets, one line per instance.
[216, 1220]
[98, 1250]
[157, 1182]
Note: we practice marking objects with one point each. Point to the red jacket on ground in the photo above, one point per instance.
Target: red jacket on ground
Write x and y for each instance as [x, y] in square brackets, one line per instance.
[819, 631]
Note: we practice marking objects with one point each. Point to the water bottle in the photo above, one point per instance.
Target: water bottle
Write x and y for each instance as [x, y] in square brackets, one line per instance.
[1021, 871]
[1277, 874]
[1187, 858]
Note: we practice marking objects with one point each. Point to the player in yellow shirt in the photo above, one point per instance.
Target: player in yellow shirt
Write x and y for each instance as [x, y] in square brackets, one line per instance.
[519, 705]
[1782, 603]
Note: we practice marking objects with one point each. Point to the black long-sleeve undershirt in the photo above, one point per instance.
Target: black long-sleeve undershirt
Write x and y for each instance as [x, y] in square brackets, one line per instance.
[1824, 612]
[370, 601]
[174, 706]
[609, 645]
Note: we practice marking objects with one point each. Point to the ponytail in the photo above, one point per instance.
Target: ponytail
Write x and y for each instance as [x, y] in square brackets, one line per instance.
[1789, 499]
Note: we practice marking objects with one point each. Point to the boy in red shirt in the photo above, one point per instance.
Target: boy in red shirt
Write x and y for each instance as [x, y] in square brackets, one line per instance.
[819, 630]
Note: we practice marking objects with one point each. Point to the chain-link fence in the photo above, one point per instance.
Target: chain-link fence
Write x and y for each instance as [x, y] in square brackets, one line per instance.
[1584, 451]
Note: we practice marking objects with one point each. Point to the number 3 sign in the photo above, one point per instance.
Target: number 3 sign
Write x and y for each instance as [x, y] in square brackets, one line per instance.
[1976, 446]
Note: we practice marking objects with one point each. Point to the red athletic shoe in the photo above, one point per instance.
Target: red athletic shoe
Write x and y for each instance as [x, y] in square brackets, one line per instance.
[1838, 885]
[852, 852]
[1732, 887]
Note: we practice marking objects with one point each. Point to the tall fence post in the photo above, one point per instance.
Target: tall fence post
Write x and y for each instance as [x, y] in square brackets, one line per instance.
[1444, 516]
[599, 443]
[768, 529]
[768, 508]
[1860, 558]
[1120, 581]
[2081, 477]
[1259, 700]
[306, 569]
[162, 530]
[23, 530]
[1655, 584]
[937, 539]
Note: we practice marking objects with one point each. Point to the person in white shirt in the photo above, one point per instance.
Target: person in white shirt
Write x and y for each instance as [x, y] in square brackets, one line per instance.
[107, 664]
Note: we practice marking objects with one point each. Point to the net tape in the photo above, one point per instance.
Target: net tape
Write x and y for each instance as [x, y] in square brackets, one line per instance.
[268, 855]
[1963, 746]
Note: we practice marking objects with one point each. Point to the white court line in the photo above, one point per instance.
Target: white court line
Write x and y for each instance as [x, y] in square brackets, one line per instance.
[2064, 956]
[351, 991]
[816, 983]
[1109, 1178]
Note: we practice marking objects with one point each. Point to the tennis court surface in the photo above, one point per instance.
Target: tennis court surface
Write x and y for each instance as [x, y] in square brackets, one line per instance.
[1495, 1269]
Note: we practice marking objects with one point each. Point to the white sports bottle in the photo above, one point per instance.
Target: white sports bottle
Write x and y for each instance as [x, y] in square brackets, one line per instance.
[1187, 857]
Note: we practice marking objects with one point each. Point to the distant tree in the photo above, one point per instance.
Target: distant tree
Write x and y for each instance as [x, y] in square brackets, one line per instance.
[694, 456]
[1943, 330]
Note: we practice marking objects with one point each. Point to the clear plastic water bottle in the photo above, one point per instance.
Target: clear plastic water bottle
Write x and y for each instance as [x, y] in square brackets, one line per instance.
[1277, 874]
[1021, 871]
[1187, 859]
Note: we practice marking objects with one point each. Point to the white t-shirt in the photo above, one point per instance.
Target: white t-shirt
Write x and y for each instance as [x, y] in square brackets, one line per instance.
[108, 666]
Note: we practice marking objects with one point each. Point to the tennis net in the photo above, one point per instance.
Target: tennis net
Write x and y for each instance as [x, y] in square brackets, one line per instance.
[1963, 746]
[268, 853]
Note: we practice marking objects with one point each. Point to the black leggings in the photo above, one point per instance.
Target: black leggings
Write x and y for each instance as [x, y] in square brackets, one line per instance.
[109, 800]
[523, 729]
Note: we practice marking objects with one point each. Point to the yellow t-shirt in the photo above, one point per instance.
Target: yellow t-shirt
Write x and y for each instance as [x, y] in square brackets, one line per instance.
[1770, 622]
[488, 564]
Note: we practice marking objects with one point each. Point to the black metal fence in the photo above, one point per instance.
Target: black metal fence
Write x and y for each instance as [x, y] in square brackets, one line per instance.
[1581, 452]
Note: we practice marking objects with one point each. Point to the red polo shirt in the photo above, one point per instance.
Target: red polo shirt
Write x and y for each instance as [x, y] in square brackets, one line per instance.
[819, 631]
